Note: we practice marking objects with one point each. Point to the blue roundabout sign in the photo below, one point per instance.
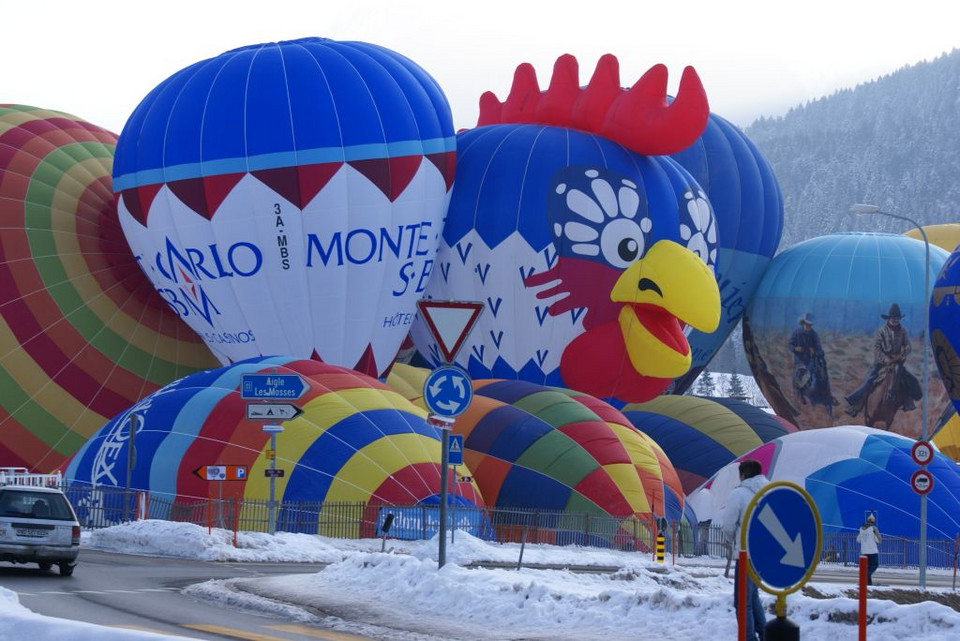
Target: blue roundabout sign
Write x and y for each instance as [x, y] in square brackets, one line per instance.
[447, 391]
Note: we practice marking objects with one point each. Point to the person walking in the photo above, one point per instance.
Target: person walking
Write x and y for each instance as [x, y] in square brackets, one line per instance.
[869, 539]
[751, 480]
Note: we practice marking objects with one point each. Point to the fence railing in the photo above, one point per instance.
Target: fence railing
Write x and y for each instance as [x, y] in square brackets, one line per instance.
[103, 506]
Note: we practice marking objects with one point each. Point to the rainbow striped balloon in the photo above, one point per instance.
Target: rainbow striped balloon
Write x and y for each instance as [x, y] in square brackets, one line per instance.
[357, 441]
[83, 334]
[701, 435]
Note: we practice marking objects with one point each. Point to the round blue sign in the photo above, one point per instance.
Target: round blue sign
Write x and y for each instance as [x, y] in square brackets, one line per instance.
[447, 391]
[782, 537]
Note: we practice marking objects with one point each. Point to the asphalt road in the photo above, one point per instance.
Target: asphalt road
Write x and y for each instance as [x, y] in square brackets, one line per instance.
[143, 593]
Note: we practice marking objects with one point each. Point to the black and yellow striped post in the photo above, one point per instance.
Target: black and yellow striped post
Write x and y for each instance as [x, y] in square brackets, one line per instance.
[661, 539]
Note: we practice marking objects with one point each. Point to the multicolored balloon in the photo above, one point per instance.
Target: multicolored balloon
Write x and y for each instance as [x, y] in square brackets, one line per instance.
[811, 331]
[748, 205]
[83, 335]
[591, 249]
[287, 198]
[700, 435]
[356, 441]
[850, 471]
[544, 448]
[945, 325]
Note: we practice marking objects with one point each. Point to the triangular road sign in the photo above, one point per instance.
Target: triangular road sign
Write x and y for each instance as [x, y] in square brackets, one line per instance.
[450, 323]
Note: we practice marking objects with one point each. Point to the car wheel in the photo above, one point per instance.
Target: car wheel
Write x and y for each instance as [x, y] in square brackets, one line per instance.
[45, 566]
[66, 569]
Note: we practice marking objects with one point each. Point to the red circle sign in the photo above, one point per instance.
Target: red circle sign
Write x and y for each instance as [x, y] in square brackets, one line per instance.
[921, 482]
[921, 452]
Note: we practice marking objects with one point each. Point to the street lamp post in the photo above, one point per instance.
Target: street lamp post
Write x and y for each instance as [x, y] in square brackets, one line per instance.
[862, 208]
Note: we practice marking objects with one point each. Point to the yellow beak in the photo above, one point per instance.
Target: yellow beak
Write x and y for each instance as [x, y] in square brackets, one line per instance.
[666, 289]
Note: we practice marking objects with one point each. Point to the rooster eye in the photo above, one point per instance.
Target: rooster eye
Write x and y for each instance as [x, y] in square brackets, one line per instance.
[628, 249]
[621, 242]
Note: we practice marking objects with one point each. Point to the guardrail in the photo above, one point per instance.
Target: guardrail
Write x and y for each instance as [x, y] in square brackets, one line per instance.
[103, 506]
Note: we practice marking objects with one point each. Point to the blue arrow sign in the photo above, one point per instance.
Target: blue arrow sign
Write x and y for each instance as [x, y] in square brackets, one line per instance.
[272, 386]
[447, 391]
[455, 453]
[783, 537]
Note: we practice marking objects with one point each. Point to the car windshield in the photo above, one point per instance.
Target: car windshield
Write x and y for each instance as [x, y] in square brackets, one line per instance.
[37, 505]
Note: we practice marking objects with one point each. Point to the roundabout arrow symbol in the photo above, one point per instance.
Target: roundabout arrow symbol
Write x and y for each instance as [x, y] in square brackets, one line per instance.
[793, 550]
[437, 386]
[450, 406]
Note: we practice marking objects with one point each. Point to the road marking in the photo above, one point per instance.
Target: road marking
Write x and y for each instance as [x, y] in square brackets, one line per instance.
[63, 593]
[329, 635]
[232, 632]
[140, 628]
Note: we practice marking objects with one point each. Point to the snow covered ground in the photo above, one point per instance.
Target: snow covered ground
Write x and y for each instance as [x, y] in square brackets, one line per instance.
[641, 600]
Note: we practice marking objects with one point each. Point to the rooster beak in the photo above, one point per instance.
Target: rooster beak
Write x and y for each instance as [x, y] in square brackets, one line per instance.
[666, 289]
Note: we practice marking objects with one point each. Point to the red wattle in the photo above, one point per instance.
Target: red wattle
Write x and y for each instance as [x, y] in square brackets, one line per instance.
[596, 363]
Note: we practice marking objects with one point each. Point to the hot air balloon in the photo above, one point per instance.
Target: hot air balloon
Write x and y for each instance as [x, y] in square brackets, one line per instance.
[84, 335]
[591, 249]
[826, 333]
[947, 437]
[700, 435]
[850, 471]
[286, 198]
[356, 441]
[945, 236]
[945, 325]
[747, 202]
[408, 381]
[533, 447]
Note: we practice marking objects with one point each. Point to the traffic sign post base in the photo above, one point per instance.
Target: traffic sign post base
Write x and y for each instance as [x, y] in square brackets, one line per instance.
[781, 629]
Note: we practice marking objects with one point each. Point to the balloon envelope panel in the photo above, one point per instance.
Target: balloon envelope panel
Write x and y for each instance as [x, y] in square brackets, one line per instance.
[948, 437]
[84, 336]
[945, 325]
[748, 205]
[356, 441]
[537, 447]
[848, 471]
[945, 236]
[537, 218]
[287, 198]
[849, 284]
[698, 435]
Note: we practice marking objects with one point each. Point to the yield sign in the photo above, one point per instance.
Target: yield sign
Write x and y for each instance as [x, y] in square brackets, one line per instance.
[449, 322]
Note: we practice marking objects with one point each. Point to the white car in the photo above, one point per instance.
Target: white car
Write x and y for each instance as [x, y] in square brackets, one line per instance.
[38, 525]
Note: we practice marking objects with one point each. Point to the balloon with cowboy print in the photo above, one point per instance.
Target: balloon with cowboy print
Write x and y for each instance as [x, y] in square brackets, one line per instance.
[287, 197]
[834, 333]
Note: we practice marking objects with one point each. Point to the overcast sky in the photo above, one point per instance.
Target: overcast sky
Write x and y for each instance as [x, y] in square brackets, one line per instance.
[97, 59]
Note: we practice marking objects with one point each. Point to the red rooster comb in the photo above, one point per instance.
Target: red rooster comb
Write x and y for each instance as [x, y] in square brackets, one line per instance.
[639, 118]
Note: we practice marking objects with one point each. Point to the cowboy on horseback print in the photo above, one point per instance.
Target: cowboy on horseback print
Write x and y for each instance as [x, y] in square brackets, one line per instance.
[811, 382]
[890, 349]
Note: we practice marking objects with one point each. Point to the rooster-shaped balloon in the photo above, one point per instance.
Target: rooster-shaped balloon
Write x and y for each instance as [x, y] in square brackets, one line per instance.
[592, 250]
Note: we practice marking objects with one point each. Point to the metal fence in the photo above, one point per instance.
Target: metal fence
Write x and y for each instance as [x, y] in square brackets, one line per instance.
[99, 506]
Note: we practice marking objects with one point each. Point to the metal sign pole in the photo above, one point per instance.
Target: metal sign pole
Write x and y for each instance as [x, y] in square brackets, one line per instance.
[131, 461]
[272, 510]
[444, 464]
[453, 508]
